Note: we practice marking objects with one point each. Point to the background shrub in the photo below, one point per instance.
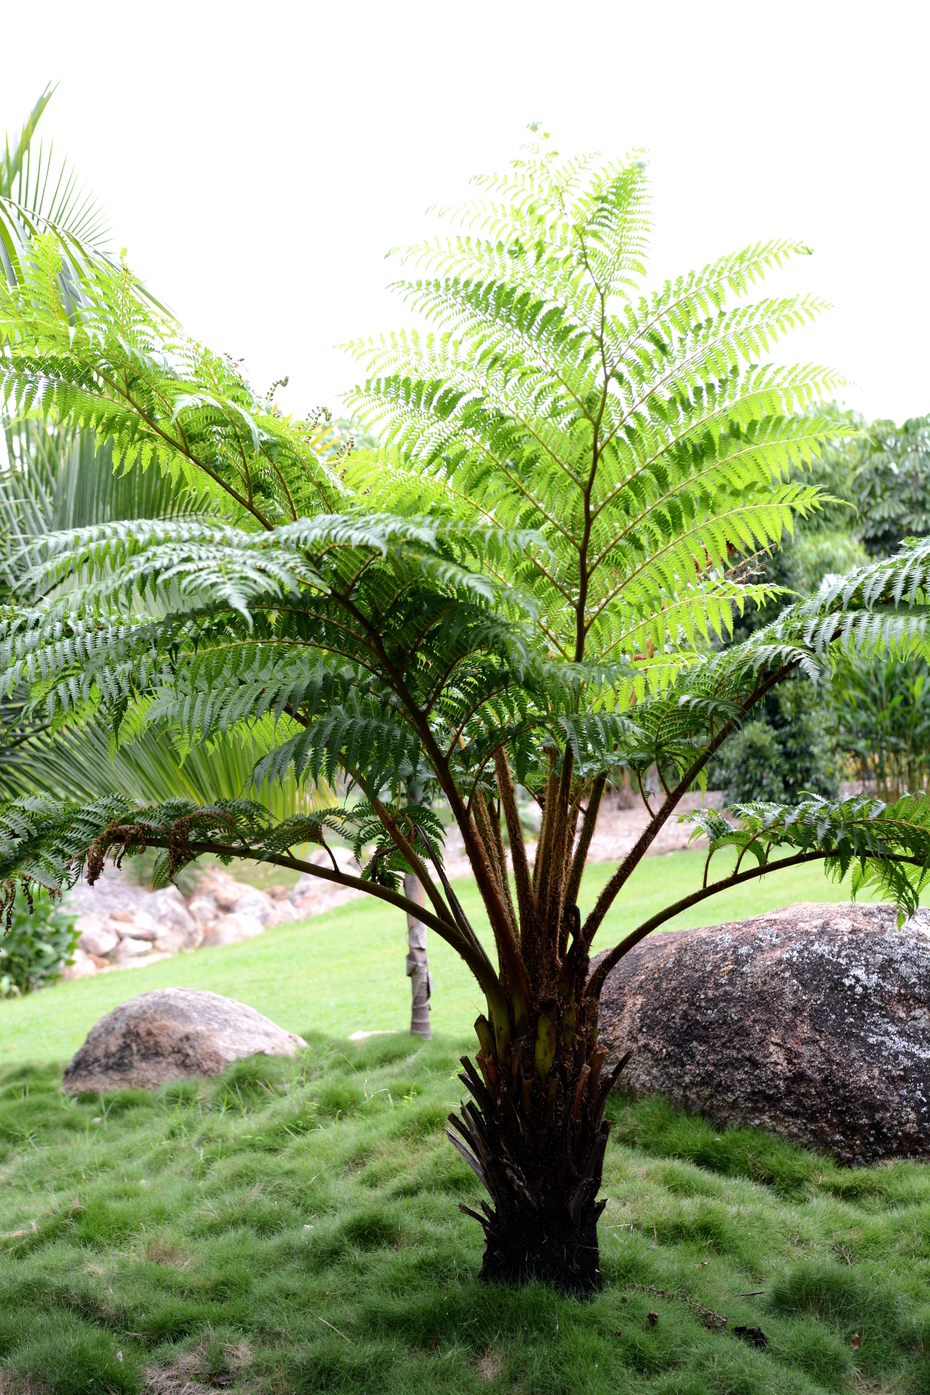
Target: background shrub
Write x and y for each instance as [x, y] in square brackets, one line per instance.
[39, 942]
[787, 751]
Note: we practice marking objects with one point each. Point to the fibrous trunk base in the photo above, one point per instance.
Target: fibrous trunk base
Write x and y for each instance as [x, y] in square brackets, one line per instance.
[545, 1245]
[539, 1150]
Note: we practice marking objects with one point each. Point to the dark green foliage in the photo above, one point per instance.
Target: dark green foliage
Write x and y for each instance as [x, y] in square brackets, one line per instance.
[39, 940]
[883, 721]
[254, 1237]
[892, 485]
[789, 747]
[785, 752]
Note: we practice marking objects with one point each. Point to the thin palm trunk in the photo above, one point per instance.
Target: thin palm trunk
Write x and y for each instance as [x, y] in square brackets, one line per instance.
[421, 980]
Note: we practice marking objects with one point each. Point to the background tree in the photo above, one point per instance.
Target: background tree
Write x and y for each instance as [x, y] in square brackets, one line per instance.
[877, 481]
[892, 484]
[883, 722]
[525, 586]
[790, 747]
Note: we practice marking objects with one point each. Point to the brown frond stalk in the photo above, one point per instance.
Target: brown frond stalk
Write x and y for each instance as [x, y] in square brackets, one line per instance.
[489, 829]
[523, 882]
[579, 858]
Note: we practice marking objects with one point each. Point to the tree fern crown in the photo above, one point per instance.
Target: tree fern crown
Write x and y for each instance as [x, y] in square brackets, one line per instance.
[641, 434]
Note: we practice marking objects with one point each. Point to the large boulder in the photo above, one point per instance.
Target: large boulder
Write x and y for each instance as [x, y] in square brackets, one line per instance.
[172, 1034]
[811, 1022]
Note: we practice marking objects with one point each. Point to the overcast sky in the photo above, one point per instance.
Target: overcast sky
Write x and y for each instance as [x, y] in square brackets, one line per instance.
[258, 160]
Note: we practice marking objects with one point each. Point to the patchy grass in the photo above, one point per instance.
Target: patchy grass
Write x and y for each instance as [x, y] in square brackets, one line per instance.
[344, 971]
[293, 1227]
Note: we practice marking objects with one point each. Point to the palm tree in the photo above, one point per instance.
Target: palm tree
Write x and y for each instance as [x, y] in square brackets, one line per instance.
[523, 587]
[61, 476]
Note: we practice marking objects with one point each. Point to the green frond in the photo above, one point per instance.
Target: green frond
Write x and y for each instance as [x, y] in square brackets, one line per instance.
[544, 555]
[643, 437]
[105, 359]
[885, 847]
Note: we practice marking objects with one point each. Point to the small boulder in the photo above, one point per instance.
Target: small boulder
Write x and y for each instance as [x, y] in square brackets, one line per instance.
[203, 909]
[255, 903]
[170, 940]
[223, 888]
[130, 948]
[144, 927]
[172, 1034]
[230, 929]
[168, 911]
[81, 966]
[94, 936]
[167, 906]
[140, 932]
[811, 1022]
[282, 913]
[143, 961]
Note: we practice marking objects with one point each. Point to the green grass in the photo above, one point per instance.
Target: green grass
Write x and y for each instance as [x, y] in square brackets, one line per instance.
[343, 972]
[293, 1227]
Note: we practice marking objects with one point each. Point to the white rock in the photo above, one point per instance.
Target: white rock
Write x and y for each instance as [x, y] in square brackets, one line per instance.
[202, 908]
[168, 911]
[282, 913]
[222, 886]
[131, 949]
[307, 884]
[172, 941]
[143, 921]
[229, 929]
[97, 941]
[88, 920]
[81, 967]
[140, 932]
[143, 961]
[254, 902]
[168, 905]
[122, 913]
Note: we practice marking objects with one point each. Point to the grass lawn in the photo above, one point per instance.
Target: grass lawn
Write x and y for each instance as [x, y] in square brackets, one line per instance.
[343, 972]
[292, 1226]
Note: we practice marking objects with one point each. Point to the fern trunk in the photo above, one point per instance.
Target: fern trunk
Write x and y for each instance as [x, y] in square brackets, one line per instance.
[534, 1133]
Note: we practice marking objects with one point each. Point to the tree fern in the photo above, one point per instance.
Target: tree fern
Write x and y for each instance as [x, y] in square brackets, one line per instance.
[524, 585]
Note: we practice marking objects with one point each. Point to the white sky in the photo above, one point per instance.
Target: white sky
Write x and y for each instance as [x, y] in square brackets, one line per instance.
[259, 160]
